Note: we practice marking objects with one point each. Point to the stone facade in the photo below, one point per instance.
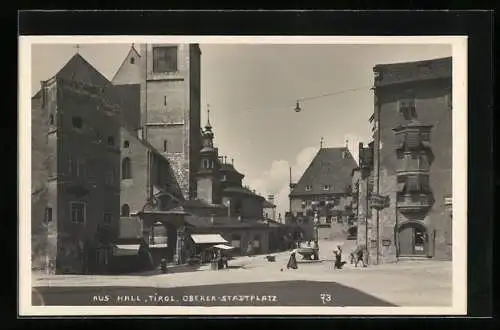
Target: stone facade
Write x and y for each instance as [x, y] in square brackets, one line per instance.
[412, 163]
[83, 142]
[39, 184]
[169, 106]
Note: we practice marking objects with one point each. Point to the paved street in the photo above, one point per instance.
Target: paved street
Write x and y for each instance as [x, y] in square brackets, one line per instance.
[408, 283]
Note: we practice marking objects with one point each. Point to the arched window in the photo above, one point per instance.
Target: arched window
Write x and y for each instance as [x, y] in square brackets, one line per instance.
[132, 60]
[125, 210]
[126, 168]
[126, 144]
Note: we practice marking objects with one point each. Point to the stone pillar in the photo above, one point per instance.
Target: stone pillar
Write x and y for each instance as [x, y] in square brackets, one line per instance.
[179, 249]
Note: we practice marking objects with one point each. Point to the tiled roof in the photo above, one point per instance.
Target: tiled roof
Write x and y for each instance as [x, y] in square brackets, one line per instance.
[226, 167]
[79, 70]
[241, 190]
[328, 168]
[198, 203]
[268, 205]
[226, 222]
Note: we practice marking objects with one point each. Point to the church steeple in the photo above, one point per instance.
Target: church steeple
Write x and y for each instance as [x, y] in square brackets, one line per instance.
[208, 182]
[208, 135]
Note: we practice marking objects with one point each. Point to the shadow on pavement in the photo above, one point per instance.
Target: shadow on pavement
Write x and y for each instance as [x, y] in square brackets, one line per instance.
[284, 293]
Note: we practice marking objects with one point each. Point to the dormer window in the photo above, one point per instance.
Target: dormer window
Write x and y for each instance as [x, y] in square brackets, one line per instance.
[326, 187]
[126, 144]
[308, 188]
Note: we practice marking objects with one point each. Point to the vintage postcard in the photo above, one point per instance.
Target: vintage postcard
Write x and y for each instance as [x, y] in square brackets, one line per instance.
[242, 175]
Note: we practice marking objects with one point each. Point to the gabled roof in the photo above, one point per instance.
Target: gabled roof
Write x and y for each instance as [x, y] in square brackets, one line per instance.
[132, 52]
[328, 168]
[78, 69]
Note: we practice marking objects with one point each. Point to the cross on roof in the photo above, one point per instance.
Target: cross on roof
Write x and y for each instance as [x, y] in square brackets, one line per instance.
[77, 47]
[321, 143]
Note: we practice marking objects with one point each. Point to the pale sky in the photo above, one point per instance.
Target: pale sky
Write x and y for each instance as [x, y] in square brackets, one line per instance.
[252, 90]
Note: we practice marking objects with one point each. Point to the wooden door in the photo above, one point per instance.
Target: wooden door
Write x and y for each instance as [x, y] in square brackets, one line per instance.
[406, 241]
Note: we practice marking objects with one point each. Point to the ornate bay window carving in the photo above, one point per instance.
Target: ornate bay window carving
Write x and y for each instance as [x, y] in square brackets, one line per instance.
[414, 193]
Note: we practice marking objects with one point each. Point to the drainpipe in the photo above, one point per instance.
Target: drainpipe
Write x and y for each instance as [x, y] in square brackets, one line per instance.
[377, 109]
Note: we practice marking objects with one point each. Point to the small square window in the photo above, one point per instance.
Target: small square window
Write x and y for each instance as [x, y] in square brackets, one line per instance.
[308, 188]
[326, 187]
[126, 144]
[107, 218]
[77, 122]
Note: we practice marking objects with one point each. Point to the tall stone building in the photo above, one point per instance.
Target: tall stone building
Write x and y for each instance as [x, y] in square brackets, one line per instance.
[411, 172]
[83, 165]
[325, 189]
[168, 77]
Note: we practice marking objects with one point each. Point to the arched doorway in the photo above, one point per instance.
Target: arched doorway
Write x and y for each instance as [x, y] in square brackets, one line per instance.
[412, 239]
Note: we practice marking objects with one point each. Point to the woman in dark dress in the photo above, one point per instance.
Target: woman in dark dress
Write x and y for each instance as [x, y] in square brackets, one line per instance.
[292, 262]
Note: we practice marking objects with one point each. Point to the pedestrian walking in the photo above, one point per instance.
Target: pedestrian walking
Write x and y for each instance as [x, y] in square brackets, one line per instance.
[292, 261]
[338, 258]
[360, 254]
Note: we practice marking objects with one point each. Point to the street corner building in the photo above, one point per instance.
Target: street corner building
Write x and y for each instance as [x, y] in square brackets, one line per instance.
[321, 202]
[76, 166]
[403, 184]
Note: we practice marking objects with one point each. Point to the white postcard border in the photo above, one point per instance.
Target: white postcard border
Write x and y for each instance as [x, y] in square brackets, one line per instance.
[459, 173]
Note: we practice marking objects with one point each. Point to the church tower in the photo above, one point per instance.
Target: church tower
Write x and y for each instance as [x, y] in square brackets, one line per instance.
[208, 185]
[169, 119]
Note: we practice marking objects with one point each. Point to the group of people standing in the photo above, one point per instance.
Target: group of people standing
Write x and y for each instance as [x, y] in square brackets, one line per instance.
[356, 257]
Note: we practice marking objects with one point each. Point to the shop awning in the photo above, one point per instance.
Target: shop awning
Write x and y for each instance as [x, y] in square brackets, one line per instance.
[126, 249]
[208, 239]
[224, 247]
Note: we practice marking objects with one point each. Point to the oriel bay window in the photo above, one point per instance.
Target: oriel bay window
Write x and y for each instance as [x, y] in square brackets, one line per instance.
[413, 185]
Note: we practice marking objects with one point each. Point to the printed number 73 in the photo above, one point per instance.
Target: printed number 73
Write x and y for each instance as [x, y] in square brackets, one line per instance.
[326, 298]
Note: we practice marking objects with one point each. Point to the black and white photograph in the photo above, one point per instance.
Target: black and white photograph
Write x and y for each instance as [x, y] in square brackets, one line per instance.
[252, 175]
